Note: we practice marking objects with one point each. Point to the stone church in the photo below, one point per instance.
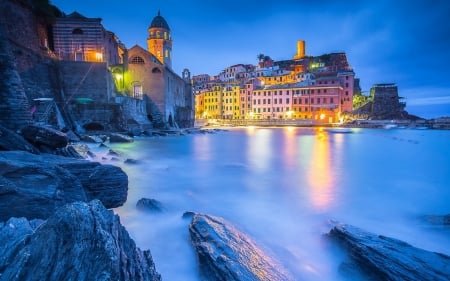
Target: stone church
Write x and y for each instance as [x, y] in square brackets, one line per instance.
[149, 76]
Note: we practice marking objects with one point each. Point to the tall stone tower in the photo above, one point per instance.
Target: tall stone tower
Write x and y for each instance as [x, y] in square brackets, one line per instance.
[159, 40]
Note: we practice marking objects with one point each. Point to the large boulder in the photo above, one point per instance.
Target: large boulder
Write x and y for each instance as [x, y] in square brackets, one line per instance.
[225, 253]
[81, 241]
[9, 140]
[384, 258]
[48, 137]
[33, 186]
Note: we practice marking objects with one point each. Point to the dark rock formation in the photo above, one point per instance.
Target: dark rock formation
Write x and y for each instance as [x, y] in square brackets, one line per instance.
[225, 253]
[131, 161]
[70, 151]
[146, 204]
[9, 140]
[81, 241]
[116, 137]
[188, 215]
[384, 258]
[33, 186]
[40, 135]
[14, 107]
[440, 220]
[91, 139]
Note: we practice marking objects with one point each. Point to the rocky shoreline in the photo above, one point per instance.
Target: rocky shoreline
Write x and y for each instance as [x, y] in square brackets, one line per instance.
[54, 225]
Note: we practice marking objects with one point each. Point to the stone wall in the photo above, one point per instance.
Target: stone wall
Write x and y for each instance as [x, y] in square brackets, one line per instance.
[86, 80]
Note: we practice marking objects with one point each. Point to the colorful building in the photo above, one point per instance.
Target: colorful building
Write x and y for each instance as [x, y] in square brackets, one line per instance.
[78, 38]
[319, 89]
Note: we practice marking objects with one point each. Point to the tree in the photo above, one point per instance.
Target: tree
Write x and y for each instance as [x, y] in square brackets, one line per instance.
[260, 57]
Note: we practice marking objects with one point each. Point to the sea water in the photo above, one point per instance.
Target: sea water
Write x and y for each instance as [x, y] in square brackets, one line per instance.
[285, 188]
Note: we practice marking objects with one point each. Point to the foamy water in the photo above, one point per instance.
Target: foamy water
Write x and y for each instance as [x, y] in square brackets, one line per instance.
[283, 186]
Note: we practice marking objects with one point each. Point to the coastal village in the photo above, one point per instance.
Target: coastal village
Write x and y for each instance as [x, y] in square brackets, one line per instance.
[67, 80]
[77, 76]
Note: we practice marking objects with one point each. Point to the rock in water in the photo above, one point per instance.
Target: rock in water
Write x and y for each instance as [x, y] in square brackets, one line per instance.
[116, 137]
[81, 241]
[147, 204]
[384, 258]
[225, 253]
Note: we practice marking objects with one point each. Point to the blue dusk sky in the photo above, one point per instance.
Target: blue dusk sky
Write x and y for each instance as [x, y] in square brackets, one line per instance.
[406, 42]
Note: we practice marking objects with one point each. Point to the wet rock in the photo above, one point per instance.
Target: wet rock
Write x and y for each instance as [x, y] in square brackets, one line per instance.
[44, 136]
[103, 145]
[146, 204]
[188, 215]
[439, 220]
[71, 136]
[131, 161]
[116, 137]
[113, 152]
[9, 140]
[384, 258]
[33, 186]
[225, 253]
[81, 241]
[91, 139]
[70, 151]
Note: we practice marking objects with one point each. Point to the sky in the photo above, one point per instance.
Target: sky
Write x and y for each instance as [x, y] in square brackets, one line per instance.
[406, 42]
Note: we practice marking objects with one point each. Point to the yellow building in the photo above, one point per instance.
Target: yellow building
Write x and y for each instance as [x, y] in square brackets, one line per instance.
[230, 102]
[213, 102]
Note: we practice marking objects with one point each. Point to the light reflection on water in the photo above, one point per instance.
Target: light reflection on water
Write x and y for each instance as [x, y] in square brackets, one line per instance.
[282, 185]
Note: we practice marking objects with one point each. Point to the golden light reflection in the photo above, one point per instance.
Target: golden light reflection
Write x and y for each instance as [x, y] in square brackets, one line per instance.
[290, 138]
[320, 178]
[201, 147]
[260, 148]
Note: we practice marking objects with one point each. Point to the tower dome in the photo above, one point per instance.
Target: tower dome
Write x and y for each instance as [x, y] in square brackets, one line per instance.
[159, 22]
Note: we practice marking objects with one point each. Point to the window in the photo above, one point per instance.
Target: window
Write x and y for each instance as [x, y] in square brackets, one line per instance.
[137, 60]
[77, 31]
[137, 91]
[156, 70]
[287, 100]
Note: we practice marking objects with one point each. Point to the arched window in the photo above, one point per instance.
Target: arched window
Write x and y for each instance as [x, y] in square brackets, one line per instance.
[156, 70]
[137, 60]
[77, 31]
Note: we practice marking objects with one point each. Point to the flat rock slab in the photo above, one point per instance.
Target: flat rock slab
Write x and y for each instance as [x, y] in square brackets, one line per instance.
[225, 253]
[384, 258]
[40, 135]
[81, 241]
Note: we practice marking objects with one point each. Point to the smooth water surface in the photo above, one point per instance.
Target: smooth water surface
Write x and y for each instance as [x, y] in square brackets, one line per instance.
[283, 187]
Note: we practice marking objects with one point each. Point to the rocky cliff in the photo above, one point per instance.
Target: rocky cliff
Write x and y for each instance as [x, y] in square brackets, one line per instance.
[14, 107]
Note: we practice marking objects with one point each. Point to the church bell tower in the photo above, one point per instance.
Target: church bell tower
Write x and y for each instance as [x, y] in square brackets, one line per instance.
[159, 40]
